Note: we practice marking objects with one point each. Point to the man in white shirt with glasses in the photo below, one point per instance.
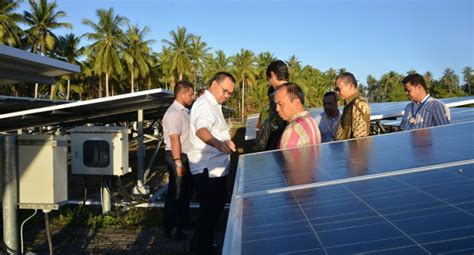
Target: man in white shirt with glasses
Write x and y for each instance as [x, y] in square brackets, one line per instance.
[209, 158]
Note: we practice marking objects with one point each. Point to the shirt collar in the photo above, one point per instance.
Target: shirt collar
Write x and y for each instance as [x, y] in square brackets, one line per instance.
[424, 99]
[210, 97]
[298, 115]
[179, 105]
[331, 118]
[351, 98]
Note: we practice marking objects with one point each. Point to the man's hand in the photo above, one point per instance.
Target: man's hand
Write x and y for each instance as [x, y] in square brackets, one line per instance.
[180, 171]
[226, 147]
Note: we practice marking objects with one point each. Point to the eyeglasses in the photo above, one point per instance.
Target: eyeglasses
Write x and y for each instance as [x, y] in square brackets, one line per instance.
[226, 91]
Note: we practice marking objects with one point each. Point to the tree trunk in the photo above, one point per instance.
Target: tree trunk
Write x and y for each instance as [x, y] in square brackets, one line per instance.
[107, 84]
[36, 90]
[133, 82]
[68, 88]
[180, 76]
[100, 85]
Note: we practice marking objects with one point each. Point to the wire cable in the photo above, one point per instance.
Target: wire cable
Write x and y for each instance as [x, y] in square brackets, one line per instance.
[21, 228]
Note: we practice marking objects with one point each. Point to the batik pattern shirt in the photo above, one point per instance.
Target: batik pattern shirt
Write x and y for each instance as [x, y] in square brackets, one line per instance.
[301, 130]
[355, 118]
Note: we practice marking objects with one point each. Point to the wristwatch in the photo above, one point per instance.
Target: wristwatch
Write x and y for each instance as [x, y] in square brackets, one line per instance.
[178, 163]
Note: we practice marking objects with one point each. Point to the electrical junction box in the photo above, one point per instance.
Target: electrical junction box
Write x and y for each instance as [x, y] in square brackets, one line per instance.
[99, 150]
[42, 164]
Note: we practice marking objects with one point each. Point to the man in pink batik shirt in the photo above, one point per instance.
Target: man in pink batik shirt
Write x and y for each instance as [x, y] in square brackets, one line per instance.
[301, 129]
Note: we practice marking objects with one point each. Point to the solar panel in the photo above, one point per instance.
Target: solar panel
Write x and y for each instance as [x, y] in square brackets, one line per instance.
[22, 66]
[407, 192]
[424, 213]
[13, 104]
[107, 110]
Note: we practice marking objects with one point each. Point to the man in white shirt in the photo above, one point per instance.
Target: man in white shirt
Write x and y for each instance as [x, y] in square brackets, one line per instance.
[177, 144]
[328, 120]
[209, 157]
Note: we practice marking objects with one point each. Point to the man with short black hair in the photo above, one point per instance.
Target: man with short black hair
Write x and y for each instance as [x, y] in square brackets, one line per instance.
[277, 74]
[328, 120]
[177, 144]
[355, 119]
[209, 157]
[424, 110]
[301, 129]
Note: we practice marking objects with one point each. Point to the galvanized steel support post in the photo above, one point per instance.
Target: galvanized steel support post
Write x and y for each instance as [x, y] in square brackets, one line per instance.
[10, 190]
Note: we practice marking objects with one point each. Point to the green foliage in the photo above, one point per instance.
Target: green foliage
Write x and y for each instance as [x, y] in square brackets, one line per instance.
[127, 62]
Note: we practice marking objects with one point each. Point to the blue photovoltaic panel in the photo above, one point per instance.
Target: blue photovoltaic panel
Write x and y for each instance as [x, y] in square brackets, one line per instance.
[422, 213]
[403, 193]
[372, 155]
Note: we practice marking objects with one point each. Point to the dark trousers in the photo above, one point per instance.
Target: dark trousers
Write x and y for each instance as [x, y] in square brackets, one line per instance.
[180, 190]
[212, 194]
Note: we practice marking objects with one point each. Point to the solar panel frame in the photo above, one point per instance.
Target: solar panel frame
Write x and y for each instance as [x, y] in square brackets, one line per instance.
[109, 109]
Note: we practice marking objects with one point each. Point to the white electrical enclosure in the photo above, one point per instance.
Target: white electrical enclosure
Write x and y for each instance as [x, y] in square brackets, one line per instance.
[99, 150]
[42, 171]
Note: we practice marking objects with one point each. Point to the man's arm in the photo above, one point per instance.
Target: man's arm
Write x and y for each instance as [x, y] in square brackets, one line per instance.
[441, 114]
[226, 147]
[176, 152]
[360, 119]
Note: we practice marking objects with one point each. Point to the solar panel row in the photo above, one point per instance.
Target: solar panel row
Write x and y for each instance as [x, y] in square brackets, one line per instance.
[404, 193]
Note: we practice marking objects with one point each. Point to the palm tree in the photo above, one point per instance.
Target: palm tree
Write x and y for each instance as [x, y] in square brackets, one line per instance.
[468, 77]
[263, 60]
[165, 65]
[42, 19]
[180, 46]
[294, 68]
[136, 52]
[69, 50]
[107, 37]
[213, 65]
[449, 80]
[198, 52]
[245, 69]
[10, 32]
[372, 88]
[390, 84]
[428, 76]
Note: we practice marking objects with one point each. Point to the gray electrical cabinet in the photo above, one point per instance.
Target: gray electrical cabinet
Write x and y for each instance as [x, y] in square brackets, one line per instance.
[99, 150]
[42, 164]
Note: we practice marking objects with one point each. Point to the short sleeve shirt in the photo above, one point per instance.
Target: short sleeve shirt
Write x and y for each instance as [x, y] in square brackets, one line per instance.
[427, 113]
[327, 126]
[207, 113]
[176, 122]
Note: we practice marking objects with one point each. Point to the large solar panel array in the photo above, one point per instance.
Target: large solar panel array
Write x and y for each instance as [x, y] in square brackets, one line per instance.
[404, 193]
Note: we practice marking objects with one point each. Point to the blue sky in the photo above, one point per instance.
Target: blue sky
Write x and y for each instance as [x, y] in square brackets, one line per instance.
[363, 36]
